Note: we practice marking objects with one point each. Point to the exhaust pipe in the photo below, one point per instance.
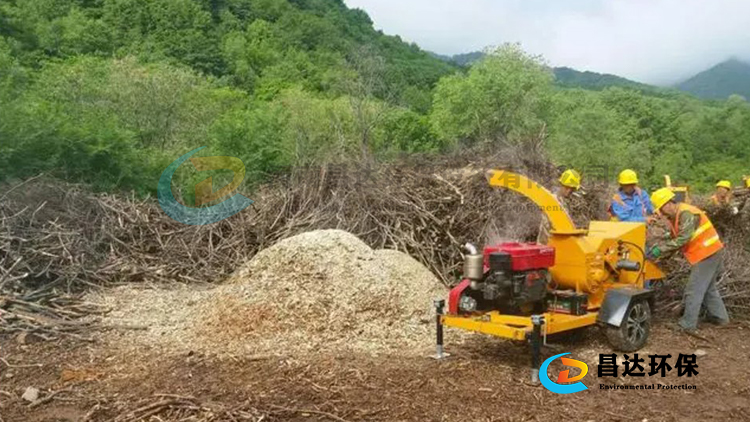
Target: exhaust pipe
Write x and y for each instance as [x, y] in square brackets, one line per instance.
[470, 249]
[473, 263]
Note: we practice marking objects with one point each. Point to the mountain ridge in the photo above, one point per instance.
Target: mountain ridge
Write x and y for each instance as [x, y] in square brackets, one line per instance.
[729, 77]
[718, 82]
[565, 76]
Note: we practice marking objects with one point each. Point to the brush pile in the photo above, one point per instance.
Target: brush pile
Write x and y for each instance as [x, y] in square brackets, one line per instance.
[59, 233]
[60, 239]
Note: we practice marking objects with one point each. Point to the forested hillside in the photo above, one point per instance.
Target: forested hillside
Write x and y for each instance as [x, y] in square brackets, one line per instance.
[466, 59]
[109, 92]
[565, 76]
[721, 81]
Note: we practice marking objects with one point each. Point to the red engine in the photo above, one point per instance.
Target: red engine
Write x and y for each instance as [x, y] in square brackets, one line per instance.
[508, 277]
[524, 256]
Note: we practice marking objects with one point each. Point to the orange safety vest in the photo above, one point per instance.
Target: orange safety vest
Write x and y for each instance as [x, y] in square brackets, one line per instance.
[705, 240]
[617, 198]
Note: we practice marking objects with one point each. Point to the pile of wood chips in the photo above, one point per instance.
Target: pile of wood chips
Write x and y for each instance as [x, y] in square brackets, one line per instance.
[315, 292]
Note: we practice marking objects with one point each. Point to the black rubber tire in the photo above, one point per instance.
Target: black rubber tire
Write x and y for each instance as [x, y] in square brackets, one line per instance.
[633, 333]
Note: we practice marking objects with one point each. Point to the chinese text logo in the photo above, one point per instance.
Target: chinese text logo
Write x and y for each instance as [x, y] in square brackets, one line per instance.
[204, 191]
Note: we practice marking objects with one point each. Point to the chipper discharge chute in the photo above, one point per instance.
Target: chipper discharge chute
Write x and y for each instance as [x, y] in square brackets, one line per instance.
[524, 291]
[681, 193]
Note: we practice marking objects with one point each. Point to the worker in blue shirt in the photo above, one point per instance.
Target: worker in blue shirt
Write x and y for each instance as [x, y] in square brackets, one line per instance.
[630, 203]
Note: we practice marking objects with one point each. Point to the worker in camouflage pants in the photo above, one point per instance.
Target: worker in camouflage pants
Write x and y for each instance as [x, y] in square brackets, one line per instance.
[694, 234]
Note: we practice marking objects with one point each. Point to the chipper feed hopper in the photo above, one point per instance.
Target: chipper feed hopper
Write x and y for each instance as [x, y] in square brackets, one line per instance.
[525, 291]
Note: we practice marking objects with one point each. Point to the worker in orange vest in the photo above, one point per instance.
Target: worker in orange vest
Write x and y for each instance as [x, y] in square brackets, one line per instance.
[723, 196]
[693, 233]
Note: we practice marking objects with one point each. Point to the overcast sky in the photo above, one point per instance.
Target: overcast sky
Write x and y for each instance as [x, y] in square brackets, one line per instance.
[653, 41]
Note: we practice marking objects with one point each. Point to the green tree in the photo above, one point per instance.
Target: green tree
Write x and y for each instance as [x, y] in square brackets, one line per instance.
[75, 33]
[586, 135]
[111, 122]
[258, 136]
[504, 97]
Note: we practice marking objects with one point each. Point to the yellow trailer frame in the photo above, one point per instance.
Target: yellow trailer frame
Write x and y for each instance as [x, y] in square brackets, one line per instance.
[518, 327]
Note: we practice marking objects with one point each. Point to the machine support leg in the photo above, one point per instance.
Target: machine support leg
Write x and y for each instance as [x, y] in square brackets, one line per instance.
[536, 346]
[439, 352]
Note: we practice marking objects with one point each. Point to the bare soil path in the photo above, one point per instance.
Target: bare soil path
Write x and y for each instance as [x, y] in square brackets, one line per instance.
[483, 380]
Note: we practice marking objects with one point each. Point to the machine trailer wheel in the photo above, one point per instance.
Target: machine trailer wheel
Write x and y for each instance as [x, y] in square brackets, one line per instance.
[632, 334]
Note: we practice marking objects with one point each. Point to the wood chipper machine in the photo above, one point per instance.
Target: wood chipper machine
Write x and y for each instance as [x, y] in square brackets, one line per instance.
[526, 291]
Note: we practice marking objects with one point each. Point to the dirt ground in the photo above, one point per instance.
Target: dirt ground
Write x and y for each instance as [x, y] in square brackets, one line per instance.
[484, 379]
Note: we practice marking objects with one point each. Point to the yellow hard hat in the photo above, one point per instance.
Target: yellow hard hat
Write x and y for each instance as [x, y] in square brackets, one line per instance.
[661, 197]
[628, 177]
[571, 179]
[724, 184]
[747, 181]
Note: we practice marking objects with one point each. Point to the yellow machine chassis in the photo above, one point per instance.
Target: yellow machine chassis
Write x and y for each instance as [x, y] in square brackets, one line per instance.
[517, 327]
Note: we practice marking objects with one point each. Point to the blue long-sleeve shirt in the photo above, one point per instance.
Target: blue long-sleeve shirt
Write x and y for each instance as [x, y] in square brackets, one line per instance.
[632, 207]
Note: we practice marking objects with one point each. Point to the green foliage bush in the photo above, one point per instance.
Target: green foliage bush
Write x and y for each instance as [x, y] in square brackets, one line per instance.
[693, 141]
[505, 96]
[114, 123]
[109, 92]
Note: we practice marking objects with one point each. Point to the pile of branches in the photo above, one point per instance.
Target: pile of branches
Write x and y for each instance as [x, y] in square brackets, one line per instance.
[59, 235]
[46, 315]
[59, 239]
[426, 208]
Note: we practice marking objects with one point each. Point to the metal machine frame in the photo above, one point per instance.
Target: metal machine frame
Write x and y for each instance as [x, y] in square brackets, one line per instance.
[515, 327]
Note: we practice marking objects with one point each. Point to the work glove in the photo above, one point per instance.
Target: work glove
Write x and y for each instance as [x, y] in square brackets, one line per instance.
[653, 253]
